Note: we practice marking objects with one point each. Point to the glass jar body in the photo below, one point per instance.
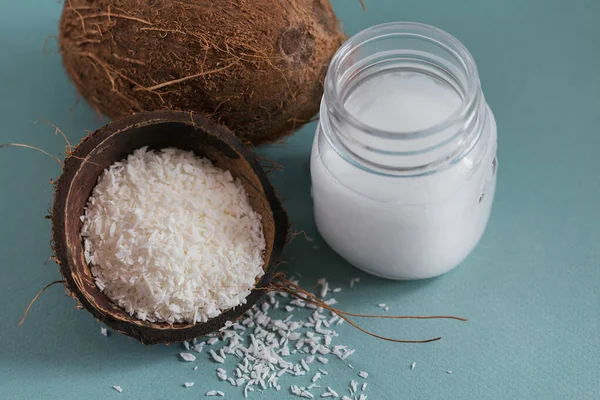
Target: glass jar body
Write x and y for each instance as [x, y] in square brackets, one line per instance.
[401, 227]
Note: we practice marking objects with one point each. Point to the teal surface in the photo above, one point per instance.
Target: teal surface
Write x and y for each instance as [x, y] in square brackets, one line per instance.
[531, 289]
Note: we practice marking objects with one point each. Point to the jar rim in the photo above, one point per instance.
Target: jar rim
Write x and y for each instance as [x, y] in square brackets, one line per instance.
[406, 29]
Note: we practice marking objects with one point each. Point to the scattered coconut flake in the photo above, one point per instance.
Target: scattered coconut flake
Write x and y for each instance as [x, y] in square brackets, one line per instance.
[198, 348]
[346, 398]
[187, 357]
[363, 374]
[196, 368]
[364, 386]
[305, 365]
[350, 366]
[215, 393]
[103, 331]
[188, 384]
[386, 309]
[262, 348]
[118, 389]
[413, 365]
[324, 287]
[337, 290]
[301, 392]
[353, 386]
[448, 372]
[216, 358]
[382, 305]
[362, 397]
[316, 377]
[347, 354]
[353, 281]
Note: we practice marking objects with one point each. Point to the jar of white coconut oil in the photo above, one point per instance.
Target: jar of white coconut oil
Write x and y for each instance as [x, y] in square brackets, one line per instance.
[404, 160]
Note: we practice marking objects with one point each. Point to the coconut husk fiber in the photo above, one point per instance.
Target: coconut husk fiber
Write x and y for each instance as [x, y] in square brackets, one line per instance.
[256, 66]
[114, 142]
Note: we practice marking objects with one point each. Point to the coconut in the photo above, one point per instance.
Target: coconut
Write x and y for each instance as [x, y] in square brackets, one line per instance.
[256, 66]
[158, 129]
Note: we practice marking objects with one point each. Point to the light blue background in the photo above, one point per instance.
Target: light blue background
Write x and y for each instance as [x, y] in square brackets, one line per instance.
[531, 288]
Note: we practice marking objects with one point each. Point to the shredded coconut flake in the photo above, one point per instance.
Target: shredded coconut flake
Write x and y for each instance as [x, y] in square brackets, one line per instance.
[172, 238]
[262, 347]
[324, 287]
[413, 365]
[188, 357]
[118, 389]
[103, 331]
[188, 384]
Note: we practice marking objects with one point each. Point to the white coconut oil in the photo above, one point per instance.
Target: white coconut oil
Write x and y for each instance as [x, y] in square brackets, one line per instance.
[403, 163]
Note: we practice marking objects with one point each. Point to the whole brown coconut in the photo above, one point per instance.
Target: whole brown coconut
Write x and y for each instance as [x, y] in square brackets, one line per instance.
[256, 66]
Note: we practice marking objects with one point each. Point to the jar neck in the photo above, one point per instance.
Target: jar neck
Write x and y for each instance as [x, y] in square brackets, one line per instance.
[401, 50]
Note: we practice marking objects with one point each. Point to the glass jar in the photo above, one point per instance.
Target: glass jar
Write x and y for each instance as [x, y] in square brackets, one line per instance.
[403, 163]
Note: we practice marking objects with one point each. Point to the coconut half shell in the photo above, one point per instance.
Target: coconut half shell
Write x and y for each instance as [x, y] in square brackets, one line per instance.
[115, 142]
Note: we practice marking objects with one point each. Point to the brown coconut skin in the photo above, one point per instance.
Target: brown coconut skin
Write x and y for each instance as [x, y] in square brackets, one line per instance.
[256, 66]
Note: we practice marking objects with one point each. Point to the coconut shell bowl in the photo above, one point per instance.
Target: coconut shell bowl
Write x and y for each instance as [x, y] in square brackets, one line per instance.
[114, 142]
